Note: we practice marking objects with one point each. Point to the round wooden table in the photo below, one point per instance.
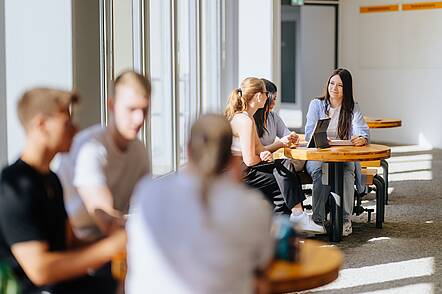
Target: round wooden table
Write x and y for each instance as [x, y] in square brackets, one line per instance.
[336, 156]
[319, 264]
[336, 153]
[382, 123]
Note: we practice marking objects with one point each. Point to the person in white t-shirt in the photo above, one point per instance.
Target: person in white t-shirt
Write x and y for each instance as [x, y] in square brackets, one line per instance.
[105, 163]
[214, 236]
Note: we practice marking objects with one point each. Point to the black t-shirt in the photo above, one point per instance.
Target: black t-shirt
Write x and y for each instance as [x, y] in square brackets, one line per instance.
[31, 209]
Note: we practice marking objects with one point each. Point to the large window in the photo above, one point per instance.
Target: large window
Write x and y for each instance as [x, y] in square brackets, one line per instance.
[188, 70]
[169, 34]
[161, 73]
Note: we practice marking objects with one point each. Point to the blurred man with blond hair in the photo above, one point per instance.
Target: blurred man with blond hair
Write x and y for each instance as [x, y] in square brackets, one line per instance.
[34, 229]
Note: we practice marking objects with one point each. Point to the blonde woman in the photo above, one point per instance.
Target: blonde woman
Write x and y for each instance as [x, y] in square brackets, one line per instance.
[214, 237]
[278, 183]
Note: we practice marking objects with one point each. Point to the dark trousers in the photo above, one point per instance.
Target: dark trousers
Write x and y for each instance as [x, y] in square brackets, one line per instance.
[278, 182]
[100, 282]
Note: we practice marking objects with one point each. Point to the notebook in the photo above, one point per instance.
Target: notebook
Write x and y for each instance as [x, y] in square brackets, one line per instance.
[319, 137]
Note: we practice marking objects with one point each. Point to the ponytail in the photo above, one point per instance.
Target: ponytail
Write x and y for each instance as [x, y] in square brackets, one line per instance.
[209, 146]
[236, 103]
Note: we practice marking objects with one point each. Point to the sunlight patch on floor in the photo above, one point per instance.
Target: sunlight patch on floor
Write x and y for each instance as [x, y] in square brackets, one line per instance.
[379, 239]
[398, 167]
[380, 273]
[410, 148]
[421, 288]
[411, 176]
[408, 158]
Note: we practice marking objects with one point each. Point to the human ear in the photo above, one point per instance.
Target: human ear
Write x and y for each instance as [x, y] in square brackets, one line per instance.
[38, 122]
[111, 103]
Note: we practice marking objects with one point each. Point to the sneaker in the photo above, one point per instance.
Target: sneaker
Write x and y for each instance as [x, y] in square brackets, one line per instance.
[305, 223]
[347, 229]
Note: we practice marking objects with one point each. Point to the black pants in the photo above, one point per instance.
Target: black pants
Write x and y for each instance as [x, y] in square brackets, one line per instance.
[101, 282]
[278, 182]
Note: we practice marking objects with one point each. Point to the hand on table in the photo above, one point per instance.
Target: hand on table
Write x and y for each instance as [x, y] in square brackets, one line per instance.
[358, 141]
[290, 139]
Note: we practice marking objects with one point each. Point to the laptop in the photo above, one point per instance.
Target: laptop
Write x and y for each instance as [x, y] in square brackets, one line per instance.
[319, 138]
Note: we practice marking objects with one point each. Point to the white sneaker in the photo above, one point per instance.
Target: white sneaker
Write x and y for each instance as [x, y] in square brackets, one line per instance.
[346, 228]
[304, 223]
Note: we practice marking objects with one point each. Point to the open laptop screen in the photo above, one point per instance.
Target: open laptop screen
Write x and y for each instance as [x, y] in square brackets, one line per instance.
[319, 136]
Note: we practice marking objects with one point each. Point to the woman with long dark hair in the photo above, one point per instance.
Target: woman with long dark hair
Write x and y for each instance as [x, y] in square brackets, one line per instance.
[272, 131]
[347, 122]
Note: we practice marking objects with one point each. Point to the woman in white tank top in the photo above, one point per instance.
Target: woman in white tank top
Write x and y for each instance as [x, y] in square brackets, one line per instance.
[278, 183]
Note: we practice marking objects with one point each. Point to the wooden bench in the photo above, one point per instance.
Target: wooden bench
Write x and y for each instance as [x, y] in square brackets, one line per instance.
[373, 163]
[384, 165]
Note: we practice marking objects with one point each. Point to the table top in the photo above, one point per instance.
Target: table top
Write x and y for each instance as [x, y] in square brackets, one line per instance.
[319, 265]
[380, 123]
[336, 153]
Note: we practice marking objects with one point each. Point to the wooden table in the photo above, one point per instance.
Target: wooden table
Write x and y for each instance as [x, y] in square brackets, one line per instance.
[319, 264]
[382, 123]
[336, 156]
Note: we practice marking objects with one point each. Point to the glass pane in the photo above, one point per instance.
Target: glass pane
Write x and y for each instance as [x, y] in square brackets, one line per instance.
[161, 75]
[211, 57]
[187, 74]
[122, 21]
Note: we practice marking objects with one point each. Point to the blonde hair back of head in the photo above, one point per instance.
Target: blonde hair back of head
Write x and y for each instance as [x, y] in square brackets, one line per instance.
[44, 101]
[239, 98]
[210, 149]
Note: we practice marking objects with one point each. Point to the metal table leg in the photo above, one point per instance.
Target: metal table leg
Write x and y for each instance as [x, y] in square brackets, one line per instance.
[336, 180]
[384, 165]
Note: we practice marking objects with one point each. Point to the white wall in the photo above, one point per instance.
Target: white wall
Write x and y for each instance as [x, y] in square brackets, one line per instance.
[317, 56]
[396, 62]
[38, 52]
[255, 36]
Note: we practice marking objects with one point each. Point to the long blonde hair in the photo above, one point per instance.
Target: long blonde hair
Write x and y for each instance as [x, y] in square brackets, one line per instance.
[240, 97]
[209, 148]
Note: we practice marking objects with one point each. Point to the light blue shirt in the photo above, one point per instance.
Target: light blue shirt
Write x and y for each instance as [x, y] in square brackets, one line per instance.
[316, 111]
[359, 127]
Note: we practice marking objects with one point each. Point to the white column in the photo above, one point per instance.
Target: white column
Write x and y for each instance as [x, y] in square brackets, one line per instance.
[255, 38]
[38, 52]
